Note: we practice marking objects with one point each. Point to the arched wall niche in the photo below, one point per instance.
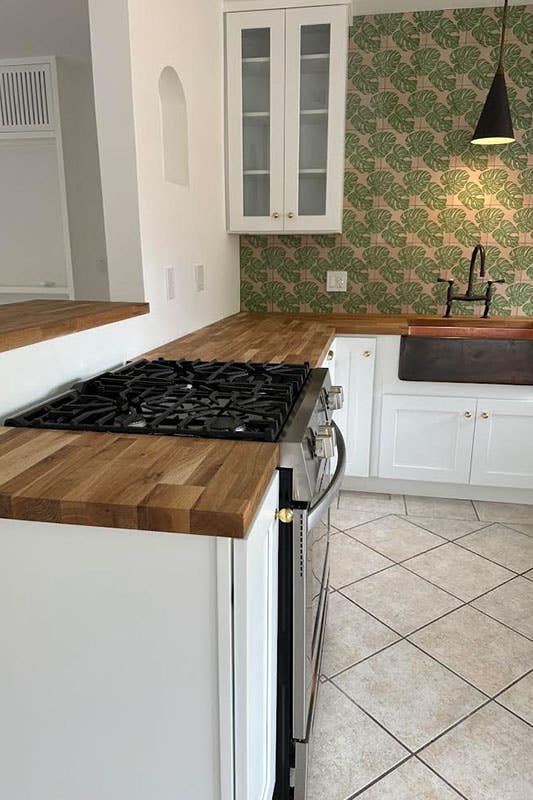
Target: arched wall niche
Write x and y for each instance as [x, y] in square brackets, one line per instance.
[174, 127]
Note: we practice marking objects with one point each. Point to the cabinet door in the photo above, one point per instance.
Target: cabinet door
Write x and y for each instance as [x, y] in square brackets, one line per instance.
[255, 56]
[503, 451]
[316, 57]
[427, 438]
[255, 615]
[354, 364]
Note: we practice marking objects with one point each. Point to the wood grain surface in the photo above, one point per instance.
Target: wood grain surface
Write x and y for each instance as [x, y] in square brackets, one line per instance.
[154, 483]
[203, 486]
[37, 320]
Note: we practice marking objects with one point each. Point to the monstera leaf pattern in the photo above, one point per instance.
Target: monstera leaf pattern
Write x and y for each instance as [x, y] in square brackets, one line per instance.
[418, 195]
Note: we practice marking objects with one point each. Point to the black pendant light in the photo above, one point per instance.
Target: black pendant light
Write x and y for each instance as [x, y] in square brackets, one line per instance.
[495, 124]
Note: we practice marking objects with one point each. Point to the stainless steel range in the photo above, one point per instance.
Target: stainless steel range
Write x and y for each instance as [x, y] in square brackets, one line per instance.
[288, 403]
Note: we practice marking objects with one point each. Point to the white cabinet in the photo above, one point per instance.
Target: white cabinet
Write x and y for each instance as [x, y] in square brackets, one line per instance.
[462, 440]
[156, 660]
[503, 446]
[286, 91]
[354, 371]
[427, 438]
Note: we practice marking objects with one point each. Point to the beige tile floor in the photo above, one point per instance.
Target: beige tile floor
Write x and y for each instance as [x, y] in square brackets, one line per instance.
[427, 686]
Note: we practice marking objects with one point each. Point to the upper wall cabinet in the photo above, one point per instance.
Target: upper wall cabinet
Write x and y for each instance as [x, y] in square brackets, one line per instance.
[286, 90]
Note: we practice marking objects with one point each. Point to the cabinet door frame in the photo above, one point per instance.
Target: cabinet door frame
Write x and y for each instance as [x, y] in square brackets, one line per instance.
[235, 24]
[355, 361]
[336, 16]
[466, 410]
[481, 474]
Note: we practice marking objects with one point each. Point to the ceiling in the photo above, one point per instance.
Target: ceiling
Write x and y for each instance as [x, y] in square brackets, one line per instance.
[392, 6]
[45, 27]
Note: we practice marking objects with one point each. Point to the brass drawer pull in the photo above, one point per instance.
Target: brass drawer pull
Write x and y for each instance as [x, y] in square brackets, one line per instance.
[468, 414]
[484, 415]
[331, 355]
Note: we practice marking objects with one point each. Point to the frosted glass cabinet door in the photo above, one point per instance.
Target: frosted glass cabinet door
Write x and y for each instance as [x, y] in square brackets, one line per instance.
[255, 111]
[316, 52]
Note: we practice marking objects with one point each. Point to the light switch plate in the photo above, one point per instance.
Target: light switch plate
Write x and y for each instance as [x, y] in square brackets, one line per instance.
[337, 282]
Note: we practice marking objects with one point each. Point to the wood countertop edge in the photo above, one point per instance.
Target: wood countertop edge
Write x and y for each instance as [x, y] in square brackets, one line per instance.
[49, 319]
[160, 484]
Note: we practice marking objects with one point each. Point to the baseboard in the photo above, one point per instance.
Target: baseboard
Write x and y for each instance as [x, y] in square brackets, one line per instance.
[428, 489]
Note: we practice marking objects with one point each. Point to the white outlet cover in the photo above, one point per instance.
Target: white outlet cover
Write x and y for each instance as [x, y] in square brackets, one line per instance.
[337, 281]
[170, 283]
[199, 277]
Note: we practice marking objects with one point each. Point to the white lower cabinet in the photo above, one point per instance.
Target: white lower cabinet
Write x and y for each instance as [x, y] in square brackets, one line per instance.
[354, 371]
[427, 438]
[503, 444]
[138, 664]
[461, 440]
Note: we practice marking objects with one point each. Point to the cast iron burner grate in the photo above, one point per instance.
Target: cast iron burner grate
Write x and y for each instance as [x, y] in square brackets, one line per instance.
[224, 400]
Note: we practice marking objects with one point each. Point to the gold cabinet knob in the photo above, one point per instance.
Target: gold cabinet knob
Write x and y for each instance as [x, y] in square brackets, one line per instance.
[484, 415]
[285, 515]
[367, 353]
[276, 214]
[468, 414]
[291, 215]
[330, 356]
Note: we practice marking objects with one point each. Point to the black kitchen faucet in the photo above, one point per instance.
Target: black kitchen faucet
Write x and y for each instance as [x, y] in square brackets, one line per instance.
[470, 296]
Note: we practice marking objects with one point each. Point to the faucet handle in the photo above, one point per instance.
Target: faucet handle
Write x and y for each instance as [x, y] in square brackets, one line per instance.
[500, 280]
[450, 281]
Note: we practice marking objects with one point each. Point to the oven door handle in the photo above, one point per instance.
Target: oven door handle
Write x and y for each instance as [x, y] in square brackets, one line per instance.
[326, 498]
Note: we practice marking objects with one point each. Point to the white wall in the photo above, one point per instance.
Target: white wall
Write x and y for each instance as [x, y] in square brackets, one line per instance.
[180, 226]
[183, 225]
[83, 184]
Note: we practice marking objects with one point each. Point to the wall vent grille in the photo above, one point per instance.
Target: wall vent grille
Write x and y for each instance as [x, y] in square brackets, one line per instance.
[25, 98]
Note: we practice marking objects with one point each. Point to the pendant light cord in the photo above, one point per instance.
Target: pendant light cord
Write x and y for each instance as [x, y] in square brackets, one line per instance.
[502, 41]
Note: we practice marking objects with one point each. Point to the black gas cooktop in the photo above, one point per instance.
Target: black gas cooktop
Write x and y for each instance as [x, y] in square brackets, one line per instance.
[226, 400]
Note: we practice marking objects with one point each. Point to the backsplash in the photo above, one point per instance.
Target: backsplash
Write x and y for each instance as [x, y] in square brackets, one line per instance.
[418, 195]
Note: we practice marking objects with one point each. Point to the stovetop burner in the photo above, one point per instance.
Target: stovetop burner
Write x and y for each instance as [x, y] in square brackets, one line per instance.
[182, 398]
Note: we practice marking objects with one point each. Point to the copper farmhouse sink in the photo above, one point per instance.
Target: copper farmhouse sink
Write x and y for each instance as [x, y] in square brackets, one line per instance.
[471, 329]
[468, 351]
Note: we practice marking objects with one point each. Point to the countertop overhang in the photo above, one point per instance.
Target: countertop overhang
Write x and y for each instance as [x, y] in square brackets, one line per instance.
[172, 484]
[33, 321]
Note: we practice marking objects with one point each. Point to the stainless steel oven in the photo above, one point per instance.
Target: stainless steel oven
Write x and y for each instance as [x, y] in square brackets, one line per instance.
[309, 485]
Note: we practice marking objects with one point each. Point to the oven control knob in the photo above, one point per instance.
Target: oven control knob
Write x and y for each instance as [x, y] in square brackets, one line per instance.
[335, 398]
[325, 442]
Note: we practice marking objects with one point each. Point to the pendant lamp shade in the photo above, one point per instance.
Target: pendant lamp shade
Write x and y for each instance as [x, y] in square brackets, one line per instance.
[495, 124]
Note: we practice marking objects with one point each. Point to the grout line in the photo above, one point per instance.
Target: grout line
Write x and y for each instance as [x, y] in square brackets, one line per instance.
[514, 713]
[475, 510]
[505, 624]
[369, 785]
[404, 497]
[455, 725]
[441, 777]
[376, 721]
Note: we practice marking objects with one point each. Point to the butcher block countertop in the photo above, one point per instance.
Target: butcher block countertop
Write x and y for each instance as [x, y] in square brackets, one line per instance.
[35, 321]
[161, 483]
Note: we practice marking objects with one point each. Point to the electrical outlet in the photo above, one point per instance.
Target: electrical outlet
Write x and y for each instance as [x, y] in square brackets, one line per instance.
[337, 282]
[199, 277]
[170, 283]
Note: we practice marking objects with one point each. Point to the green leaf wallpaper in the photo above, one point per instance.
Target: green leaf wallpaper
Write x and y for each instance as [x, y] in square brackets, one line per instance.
[418, 195]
